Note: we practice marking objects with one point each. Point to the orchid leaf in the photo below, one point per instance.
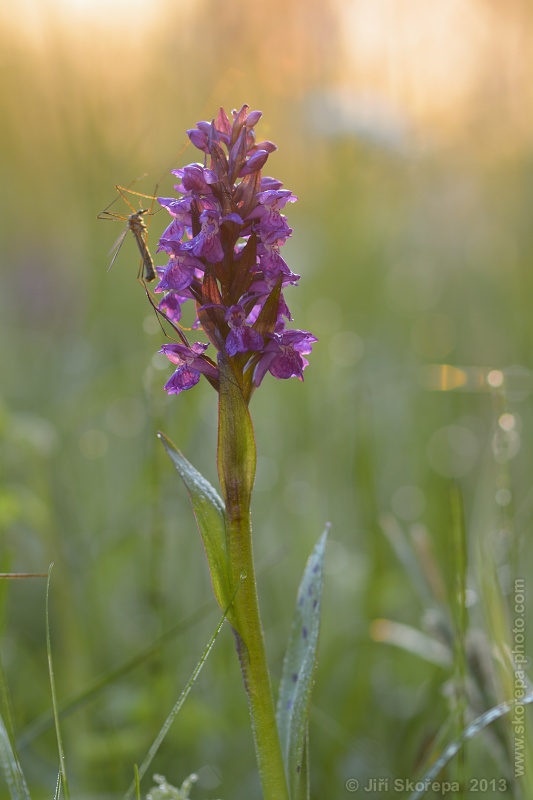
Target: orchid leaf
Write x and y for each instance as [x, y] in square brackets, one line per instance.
[210, 517]
[298, 673]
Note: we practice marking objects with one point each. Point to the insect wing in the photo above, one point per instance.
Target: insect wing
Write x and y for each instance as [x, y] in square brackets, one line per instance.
[115, 248]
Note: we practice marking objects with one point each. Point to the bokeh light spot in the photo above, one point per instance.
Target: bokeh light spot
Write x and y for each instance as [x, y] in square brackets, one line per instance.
[35, 430]
[495, 378]
[160, 361]
[267, 474]
[452, 451]
[442, 377]
[346, 348]
[126, 416]
[505, 445]
[299, 497]
[408, 503]
[93, 444]
[507, 421]
[503, 497]
[325, 316]
[151, 325]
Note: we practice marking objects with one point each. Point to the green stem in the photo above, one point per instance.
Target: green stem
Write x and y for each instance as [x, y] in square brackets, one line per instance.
[252, 656]
[236, 468]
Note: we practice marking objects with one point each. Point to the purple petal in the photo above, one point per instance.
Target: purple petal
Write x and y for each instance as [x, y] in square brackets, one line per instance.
[198, 138]
[288, 364]
[170, 305]
[207, 243]
[177, 353]
[240, 340]
[180, 209]
[179, 274]
[270, 147]
[253, 118]
[254, 163]
[184, 378]
[283, 357]
[268, 184]
[195, 178]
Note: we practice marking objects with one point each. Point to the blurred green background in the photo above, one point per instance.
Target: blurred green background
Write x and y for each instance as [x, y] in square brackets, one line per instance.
[405, 128]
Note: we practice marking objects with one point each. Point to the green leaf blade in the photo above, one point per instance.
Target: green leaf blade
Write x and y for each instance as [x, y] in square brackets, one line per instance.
[140, 772]
[10, 767]
[299, 665]
[210, 518]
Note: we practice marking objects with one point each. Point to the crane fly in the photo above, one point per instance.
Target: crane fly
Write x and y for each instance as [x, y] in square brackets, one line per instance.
[136, 224]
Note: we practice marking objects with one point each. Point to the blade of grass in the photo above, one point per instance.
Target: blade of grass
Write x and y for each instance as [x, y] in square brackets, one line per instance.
[137, 781]
[10, 766]
[177, 706]
[46, 720]
[461, 621]
[498, 610]
[411, 640]
[6, 711]
[20, 575]
[468, 733]
[60, 752]
[404, 553]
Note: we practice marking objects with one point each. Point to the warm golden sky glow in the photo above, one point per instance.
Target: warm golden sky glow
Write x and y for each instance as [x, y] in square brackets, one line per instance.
[441, 62]
[442, 70]
[32, 15]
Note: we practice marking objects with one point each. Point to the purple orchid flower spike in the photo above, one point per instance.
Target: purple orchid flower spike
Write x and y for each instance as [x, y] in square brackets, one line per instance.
[224, 244]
